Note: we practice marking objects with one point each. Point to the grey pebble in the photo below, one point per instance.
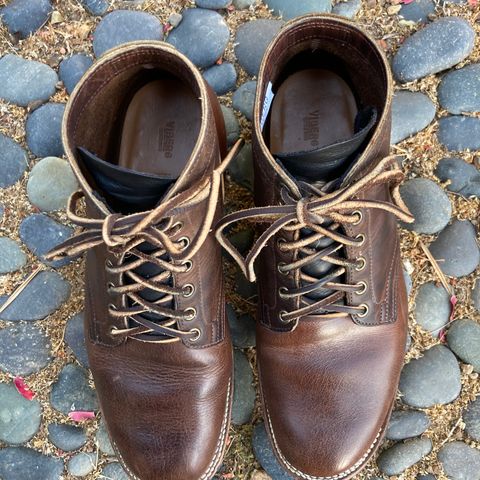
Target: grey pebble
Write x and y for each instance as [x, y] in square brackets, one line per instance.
[418, 10]
[244, 391]
[232, 126]
[103, 440]
[41, 297]
[25, 81]
[21, 463]
[24, 349]
[222, 78]
[41, 233]
[19, 418]
[241, 167]
[459, 133]
[24, 17]
[95, 7]
[12, 257]
[428, 476]
[408, 282]
[464, 340]
[242, 328]
[396, 459]
[122, 26]
[476, 295]
[82, 464]
[202, 36]
[174, 19]
[288, 9]
[75, 338]
[71, 69]
[251, 41]
[244, 98]
[43, 130]
[67, 437]
[431, 50]
[213, 4]
[13, 161]
[456, 249]
[50, 184]
[431, 379]
[407, 424]
[432, 308]
[411, 112]
[471, 417]
[243, 4]
[71, 392]
[460, 461]
[347, 9]
[428, 203]
[464, 177]
[114, 471]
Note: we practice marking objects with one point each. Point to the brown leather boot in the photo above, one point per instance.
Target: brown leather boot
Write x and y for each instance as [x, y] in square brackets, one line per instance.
[332, 316]
[143, 134]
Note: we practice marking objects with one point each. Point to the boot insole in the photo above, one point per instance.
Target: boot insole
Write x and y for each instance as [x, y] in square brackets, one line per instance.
[160, 128]
[311, 109]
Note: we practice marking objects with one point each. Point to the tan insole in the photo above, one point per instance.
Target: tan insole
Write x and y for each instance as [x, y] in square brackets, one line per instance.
[311, 109]
[160, 128]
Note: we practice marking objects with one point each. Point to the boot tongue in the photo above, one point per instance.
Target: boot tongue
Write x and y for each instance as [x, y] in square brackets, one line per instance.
[126, 191]
[329, 162]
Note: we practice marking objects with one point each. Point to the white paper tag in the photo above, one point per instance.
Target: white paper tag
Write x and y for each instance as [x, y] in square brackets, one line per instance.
[266, 104]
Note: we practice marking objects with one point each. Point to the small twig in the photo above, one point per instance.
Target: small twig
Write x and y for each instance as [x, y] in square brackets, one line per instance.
[450, 433]
[437, 269]
[20, 289]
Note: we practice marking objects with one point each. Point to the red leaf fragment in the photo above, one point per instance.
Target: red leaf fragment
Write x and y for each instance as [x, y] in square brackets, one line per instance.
[441, 335]
[473, 3]
[23, 388]
[167, 27]
[453, 302]
[406, 2]
[80, 416]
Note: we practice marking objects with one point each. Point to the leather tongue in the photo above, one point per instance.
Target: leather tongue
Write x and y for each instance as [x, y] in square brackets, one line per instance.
[329, 161]
[126, 190]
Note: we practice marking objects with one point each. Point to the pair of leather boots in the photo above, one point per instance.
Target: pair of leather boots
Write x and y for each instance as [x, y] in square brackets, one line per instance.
[145, 137]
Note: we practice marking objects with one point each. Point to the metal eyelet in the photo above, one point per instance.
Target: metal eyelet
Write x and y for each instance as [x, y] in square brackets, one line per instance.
[191, 313]
[359, 215]
[110, 285]
[188, 264]
[361, 238]
[188, 290]
[177, 225]
[197, 332]
[282, 291]
[280, 242]
[111, 306]
[280, 317]
[108, 263]
[363, 288]
[113, 330]
[279, 266]
[365, 310]
[360, 264]
[185, 241]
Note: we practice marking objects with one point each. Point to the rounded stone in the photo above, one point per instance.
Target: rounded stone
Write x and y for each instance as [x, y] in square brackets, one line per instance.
[428, 476]
[41, 233]
[19, 418]
[25, 81]
[471, 417]
[460, 461]
[244, 98]
[432, 308]
[24, 17]
[242, 328]
[75, 338]
[241, 167]
[72, 69]
[419, 382]
[288, 9]
[12, 257]
[407, 424]
[418, 10]
[24, 349]
[476, 295]
[428, 203]
[66, 437]
[174, 19]
[411, 112]
[396, 459]
[458, 90]
[114, 471]
[103, 440]
[122, 26]
[265, 456]
[13, 161]
[21, 463]
[222, 78]
[243, 4]
[71, 392]
[348, 9]
[431, 50]
[232, 127]
[44, 294]
[459, 133]
[213, 4]
[82, 464]
[43, 130]
[464, 340]
[243, 392]
[202, 36]
[51, 183]
[95, 7]
[463, 177]
[251, 41]
[456, 249]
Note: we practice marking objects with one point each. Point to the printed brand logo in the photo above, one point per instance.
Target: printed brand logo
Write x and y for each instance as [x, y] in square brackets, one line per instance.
[166, 139]
[311, 128]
